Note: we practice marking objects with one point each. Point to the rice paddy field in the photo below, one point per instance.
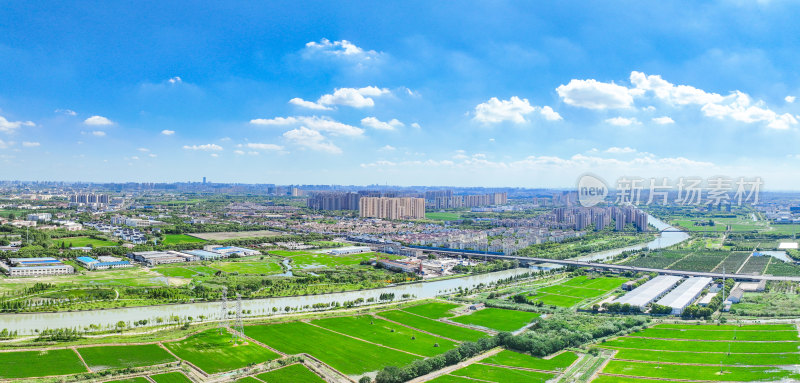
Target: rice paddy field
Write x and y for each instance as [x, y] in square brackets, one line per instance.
[433, 310]
[433, 326]
[17, 364]
[137, 379]
[497, 319]
[705, 353]
[576, 290]
[213, 352]
[388, 334]
[293, 373]
[348, 355]
[170, 377]
[510, 366]
[508, 358]
[114, 357]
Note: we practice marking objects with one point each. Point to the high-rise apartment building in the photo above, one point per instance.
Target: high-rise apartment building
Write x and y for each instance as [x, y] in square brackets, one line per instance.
[391, 208]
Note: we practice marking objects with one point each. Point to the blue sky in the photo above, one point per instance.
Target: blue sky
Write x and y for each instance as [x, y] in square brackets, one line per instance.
[408, 93]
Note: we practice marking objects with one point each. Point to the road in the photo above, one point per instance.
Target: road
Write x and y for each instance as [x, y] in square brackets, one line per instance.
[569, 262]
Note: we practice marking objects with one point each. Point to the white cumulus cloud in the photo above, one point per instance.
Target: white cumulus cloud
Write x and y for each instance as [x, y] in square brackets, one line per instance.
[308, 104]
[29, 144]
[97, 121]
[790, 99]
[322, 124]
[618, 150]
[665, 120]
[175, 80]
[352, 97]
[67, 112]
[206, 147]
[98, 133]
[10, 126]
[514, 110]
[167, 132]
[311, 139]
[623, 121]
[341, 49]
[374, 123]
[593, 94]
[260, 146]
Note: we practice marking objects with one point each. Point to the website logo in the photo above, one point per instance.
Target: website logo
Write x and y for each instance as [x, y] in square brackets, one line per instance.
[591, 190]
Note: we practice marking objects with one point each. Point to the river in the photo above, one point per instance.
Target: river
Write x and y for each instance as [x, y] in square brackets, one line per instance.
[26, 323]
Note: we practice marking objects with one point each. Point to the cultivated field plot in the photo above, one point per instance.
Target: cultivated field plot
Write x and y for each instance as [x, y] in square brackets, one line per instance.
[776, 302]
[348, 355]
[433, 310]
[576, 290]
[514, 359]
[221, 236]
[290, 374]
[137, 379]
[33, 364]
[248, 379]
[443, 216]
[113, 357]
[732, 262]
[500, 374]
[83, 242]
[758, 353]
[170, 377]
[755, 265]
[433, 326]
[387, 334]
[700, 261]
[497, 319]
[172, 239]
[213, 352]
[780, 268]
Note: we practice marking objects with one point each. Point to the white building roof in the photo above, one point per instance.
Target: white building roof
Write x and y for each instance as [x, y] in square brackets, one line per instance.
[685, 293]
[650, 291]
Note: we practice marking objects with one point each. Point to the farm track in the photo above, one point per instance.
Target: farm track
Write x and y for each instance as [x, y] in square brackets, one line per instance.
[700, 352]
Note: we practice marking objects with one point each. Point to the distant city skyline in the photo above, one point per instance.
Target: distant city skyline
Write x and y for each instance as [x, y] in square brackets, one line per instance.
[495, 94]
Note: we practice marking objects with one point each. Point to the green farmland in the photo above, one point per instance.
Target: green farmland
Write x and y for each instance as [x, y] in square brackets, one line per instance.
[83, 242]
[170, 377]
[501, 375]
[576, 290]
[706, 353]
[497, 319]
[348, 355]
[113, 357]
[515, 359]
[173, 239]
[290, 374]
[17, 364]
[433, 310]
[387, 334]
[213, 352]
[310, 260]
[433, 326]
[696, 372]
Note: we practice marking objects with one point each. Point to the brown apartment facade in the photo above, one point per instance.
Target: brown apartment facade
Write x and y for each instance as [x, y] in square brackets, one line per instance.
[391, 208]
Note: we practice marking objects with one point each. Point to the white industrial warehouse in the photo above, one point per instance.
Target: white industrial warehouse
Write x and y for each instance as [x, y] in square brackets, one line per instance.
[649, 291]
[684, 294]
